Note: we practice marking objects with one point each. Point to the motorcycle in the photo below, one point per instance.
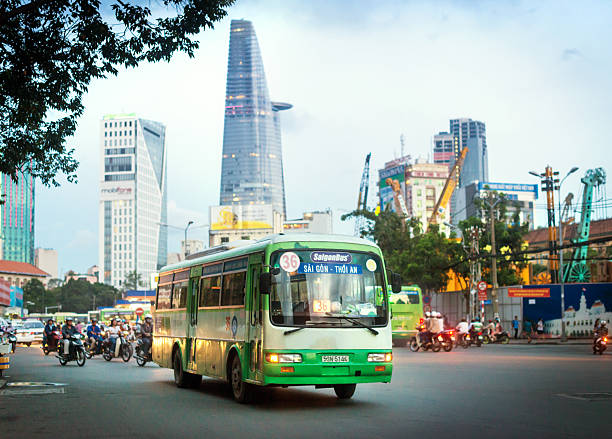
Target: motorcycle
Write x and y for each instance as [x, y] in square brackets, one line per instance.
[417, 342]
[9, 337]
[463, 340]
[76, 351]
[600, 344]
[474, 337]
[52, 342]
[123, 349]
[98, 350]
[503, 338]
[141, 356]
[446, 339]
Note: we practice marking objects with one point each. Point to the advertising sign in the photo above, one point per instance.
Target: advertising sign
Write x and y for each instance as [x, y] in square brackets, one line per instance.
[529, 292]
[508, 187]
[117, 190]
[242, 217]
[5, 293]
[397, 173]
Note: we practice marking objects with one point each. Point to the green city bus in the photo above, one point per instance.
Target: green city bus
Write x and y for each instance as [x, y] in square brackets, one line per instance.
[406, 311]
[287, 310]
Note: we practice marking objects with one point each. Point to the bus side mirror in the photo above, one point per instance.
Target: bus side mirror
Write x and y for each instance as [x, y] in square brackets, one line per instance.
[396, 282]
[265, 283]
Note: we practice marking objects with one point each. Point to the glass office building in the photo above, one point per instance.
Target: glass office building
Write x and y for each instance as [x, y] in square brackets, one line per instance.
[133, 199]
[17, 218]
[252, 164]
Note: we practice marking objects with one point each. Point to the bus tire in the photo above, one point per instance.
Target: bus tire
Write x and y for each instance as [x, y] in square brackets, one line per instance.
[243, 392]
[345, 391]
[180, 376]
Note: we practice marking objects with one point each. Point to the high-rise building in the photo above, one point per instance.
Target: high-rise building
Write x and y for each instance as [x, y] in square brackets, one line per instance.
[133, 198]
[463, 132]
[252, 165]
[424, 186]
[46, 260]
[17, 218]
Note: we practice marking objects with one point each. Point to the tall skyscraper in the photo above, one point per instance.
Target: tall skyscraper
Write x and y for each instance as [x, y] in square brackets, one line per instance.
[463, 132]
[133, 198]
[17, 218]
[252, 166]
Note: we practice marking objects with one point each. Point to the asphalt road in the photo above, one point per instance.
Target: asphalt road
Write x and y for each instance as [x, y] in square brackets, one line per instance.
[495, 391]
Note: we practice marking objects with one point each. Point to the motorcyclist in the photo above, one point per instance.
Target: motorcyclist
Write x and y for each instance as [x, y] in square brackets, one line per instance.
[68, 330]
[113, 334]
[602, 331]
[146, 333]
[94, 334]
[462, 329]
[437, 323]
[498, 327]
[426, 334]
[475, 327]
[49, 328]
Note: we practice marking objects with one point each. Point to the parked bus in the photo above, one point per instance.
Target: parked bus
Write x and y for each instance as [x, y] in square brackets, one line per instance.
[406, 311]
[299, 309]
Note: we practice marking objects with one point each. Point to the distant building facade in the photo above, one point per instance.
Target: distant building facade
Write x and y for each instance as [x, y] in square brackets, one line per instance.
[521, 196]
[252, 165]
[18, 274]
[311, 222]
[191, 246]
[17, 218]
[46, 260]
[424, 185]
[133, 198]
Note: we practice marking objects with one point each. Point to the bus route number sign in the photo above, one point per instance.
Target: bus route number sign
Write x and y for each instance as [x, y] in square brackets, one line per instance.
[289, 262]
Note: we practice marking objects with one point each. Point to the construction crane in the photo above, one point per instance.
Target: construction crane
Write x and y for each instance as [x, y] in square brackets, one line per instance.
[449, 187]
[362, 199]
[578, 269]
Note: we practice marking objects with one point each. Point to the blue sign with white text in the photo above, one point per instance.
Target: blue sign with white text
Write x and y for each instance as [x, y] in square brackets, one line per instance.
[306, 267]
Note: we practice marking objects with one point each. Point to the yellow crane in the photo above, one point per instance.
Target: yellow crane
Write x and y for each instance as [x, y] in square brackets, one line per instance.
[449, 187]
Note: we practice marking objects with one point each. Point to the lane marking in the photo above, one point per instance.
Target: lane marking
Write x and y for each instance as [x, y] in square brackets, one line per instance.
[32, 391]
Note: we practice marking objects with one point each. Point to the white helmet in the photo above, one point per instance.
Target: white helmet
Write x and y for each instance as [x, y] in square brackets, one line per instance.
[602, 323]
[438, 314]
[148, 316]
[427, 314]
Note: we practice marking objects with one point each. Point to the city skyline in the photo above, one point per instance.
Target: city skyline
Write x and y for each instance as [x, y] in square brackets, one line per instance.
[343, 109]
[17, 227]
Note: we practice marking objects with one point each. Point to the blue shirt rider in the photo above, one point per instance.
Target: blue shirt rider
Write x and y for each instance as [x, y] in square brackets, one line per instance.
[94, 333]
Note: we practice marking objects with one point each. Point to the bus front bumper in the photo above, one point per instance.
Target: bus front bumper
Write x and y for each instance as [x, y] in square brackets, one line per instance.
[313, 370]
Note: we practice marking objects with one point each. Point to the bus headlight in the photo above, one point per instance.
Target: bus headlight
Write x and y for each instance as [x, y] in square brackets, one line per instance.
[380, 357]
[284, 358]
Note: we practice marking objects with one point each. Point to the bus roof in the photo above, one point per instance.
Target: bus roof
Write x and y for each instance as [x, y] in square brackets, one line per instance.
[239, 248]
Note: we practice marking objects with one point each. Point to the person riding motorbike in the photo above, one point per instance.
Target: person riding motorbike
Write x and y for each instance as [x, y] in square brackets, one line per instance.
[462, 329]
[94, 334]
[602, 331]
[113, 334]
[49, 328]
[475, 327]
[68, 330]
[146, 333]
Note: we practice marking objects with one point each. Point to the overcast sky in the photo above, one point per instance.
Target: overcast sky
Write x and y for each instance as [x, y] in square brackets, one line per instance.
[359, 74]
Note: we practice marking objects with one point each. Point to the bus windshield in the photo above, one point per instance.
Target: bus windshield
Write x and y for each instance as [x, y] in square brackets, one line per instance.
[322, 288]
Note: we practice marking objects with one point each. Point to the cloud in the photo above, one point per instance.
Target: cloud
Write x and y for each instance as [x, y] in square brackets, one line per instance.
[569, 54]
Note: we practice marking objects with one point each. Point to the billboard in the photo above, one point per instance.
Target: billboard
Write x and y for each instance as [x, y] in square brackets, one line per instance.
[396, 173]
[242, 217]
[5, 293]
[123, 190]
[508, 187]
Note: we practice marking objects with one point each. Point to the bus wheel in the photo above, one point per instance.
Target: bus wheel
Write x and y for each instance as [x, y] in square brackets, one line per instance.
[243, 392]
[345, 391]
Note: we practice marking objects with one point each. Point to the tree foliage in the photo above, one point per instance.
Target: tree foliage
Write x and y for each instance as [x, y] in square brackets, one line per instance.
[50, 51]
[74, 296]
[133, 280]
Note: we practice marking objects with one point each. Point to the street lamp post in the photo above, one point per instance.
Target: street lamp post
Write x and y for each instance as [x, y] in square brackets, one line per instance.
[561, 273]
[185, 242]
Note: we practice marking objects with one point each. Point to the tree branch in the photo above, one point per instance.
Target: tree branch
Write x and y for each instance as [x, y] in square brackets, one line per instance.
[28, 7]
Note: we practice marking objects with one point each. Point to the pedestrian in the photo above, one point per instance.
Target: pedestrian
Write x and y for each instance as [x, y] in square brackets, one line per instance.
[515, 326]
[596, 327]
[540, 327]
[528, 329]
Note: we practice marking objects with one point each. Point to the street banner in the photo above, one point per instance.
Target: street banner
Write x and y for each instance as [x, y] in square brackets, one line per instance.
[529, 292]
[5, 293]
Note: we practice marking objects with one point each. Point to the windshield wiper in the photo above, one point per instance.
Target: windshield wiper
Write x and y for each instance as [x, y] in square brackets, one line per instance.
[354, 322]
[291, 331]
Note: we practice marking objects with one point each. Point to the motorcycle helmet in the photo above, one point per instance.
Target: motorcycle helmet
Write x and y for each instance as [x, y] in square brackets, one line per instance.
[427, 314]
[148, 316]
[68, 319]
[603, 323]
[438, 314]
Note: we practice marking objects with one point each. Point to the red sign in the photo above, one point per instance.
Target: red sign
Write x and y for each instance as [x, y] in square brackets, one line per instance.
[139, 311]
[5, 292]
[529, 292]
[482, 295]
[482, 286]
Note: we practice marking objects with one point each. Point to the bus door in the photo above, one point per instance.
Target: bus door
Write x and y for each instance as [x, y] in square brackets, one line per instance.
[192, 317]
[254, 319]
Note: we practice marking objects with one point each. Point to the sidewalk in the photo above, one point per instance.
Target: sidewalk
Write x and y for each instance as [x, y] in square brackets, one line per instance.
[552, 341]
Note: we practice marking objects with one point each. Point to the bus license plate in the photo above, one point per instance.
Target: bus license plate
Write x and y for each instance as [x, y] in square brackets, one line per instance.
[335, 358]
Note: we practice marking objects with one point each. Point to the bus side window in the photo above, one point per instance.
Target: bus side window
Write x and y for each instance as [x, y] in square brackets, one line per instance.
[210, 288]
[233, 289]
[163, 296]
